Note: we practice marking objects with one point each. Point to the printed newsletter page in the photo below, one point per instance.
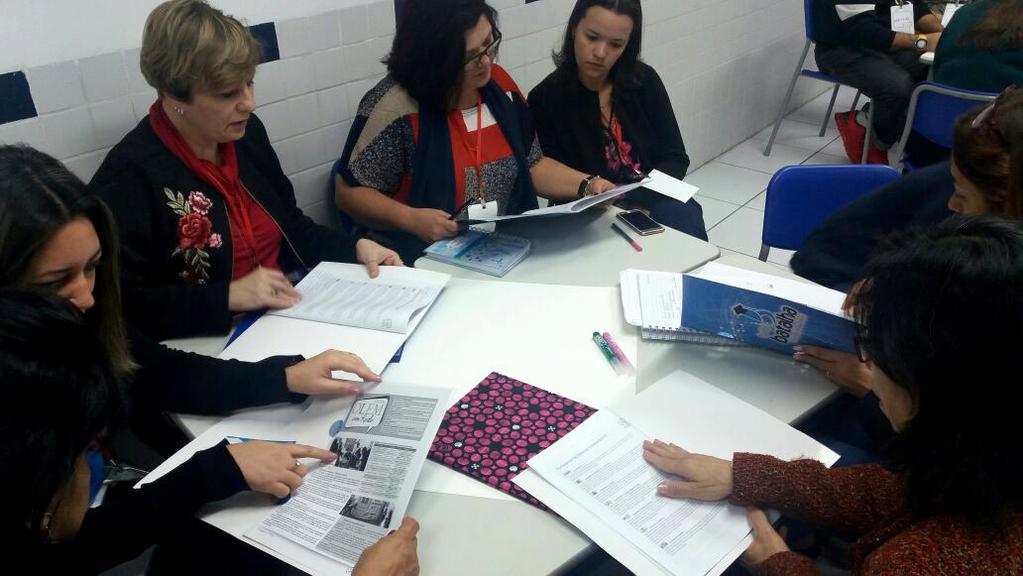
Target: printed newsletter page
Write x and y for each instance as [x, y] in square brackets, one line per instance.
[600, 466]
[345, 506]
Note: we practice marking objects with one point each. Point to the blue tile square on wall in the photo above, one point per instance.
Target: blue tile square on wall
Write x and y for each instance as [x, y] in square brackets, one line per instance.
[267, 36]
[15, 98]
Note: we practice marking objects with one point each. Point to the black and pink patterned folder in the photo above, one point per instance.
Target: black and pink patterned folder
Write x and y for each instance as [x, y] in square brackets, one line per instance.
[500, 424]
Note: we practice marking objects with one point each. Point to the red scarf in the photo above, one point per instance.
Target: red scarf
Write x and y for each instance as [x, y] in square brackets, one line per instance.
[256, 239]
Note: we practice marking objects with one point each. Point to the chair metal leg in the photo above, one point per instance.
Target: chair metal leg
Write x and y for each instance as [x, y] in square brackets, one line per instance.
[831, 108]
[866, 139]
[788, 97]
[764, 250]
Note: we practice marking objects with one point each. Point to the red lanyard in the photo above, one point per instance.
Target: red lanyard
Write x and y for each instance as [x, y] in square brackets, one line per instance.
[479, 147]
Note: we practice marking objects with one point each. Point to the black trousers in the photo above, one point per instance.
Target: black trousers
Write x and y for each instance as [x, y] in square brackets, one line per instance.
[888, 78]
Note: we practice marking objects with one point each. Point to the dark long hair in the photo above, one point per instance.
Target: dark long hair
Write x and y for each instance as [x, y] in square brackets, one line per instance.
[38, 197]
[59, 393]
[1000, 30]
[990, 155]
[624, 72]
[943, 311]
[428, 54]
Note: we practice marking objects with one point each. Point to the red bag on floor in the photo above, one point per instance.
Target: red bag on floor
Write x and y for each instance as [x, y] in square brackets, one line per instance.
[852, 138]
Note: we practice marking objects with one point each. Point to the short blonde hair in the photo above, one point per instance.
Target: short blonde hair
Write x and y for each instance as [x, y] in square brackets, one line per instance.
[190, 46]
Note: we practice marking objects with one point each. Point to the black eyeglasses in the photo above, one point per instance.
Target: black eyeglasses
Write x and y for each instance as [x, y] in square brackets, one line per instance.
[490, 51]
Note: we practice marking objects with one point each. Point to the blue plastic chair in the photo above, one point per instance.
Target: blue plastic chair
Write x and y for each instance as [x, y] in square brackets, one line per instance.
[800, 71]
[344, 220]
[933, 110]
[800, 197]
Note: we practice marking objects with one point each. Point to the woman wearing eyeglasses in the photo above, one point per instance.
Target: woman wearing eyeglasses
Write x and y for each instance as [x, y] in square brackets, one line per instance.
[446, 135]
[941, 311]
[605, 112]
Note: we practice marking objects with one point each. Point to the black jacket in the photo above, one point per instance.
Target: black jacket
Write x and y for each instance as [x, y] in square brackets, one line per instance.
[856, 23]
[123, 528]
[134, 180]
[836, 251]
[170, 380]
[567, 118]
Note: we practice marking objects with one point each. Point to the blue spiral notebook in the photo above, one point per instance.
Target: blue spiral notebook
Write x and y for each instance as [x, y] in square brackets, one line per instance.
[490, 253]
[765, 310]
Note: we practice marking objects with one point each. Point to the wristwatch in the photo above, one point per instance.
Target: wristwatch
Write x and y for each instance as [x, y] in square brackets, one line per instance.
[921, 42]
[584, 185]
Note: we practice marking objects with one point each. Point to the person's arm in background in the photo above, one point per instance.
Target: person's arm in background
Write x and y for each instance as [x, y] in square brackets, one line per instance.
[555, 181]
[543, 120]
[379, 167]
[671, 150]
[379, 211]
[863, 28]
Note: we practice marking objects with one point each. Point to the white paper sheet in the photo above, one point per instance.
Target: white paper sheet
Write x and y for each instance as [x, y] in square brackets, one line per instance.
[670, 186]
[343, 294]
[812, 295]
[700, 418]
[274, 335]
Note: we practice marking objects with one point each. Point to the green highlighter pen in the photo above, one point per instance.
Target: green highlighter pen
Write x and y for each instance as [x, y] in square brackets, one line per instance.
[608, 354]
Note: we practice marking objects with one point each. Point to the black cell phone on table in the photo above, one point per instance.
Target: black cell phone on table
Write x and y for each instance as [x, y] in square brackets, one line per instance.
[640, 222]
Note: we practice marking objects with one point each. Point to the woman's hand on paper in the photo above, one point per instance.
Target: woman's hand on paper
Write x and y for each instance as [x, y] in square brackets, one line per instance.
[393, 555]
[259, 289]
[842, 368]
[373, 256]
[273, 467]
[766, 540]
[313, 376]
[431, 225]
[702, 477]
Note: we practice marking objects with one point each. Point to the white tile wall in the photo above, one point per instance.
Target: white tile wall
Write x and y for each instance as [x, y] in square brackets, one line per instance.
[725, 63]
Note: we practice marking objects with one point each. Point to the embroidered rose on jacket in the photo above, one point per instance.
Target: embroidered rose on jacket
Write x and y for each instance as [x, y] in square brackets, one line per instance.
[194, 231]
[195, 234]
[199, 202]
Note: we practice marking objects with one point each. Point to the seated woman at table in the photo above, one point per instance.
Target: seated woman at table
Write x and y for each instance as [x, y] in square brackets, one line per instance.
[987, 158]
[57, 236]
[982, 47]
[61, 393]
[605, 112]
[208, 220]
[446, 134]
[940, 312]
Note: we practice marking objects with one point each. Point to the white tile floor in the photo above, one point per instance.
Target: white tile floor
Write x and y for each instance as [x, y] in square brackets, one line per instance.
[733, 186]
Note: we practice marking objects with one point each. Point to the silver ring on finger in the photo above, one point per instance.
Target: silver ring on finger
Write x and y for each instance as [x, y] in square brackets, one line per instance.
[296, 465]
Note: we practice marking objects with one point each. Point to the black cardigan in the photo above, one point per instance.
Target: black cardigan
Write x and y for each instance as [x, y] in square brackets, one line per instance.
[836, 251]
[123, 528]
[567, 118]
[133, 179]
[170, 380]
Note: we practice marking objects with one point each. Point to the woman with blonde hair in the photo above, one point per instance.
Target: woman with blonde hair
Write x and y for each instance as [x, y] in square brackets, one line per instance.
[208, 219]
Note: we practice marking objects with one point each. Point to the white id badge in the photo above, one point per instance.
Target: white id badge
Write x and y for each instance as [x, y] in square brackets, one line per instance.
[902, 18]
[479, 211]
[950, 10]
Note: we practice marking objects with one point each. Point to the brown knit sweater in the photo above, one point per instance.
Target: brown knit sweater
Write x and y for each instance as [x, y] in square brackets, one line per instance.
[870, 502]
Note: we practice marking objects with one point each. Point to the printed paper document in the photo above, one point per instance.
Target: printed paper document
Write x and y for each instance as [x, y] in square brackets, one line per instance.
[347, 296]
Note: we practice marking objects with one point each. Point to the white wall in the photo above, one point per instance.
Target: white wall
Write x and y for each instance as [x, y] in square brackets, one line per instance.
[726, 64]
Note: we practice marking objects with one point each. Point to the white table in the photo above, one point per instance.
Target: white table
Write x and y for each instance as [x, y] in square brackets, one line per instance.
[583, 250]
[513, 538]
